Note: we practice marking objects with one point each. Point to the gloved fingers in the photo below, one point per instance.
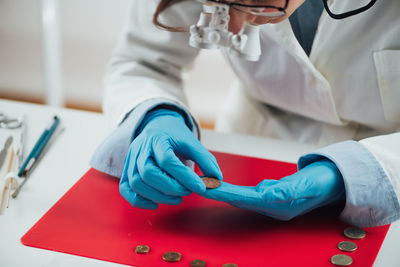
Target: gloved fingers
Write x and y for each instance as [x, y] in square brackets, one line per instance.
[279, 193]
[265, 184]
[147, 192]
[153, 176]
[230, 193]
[169, 163]
[298, 193]
[283, 211]
[320, 175]
[134, 199]
[286, 191]
[203, 158]
[130, 161]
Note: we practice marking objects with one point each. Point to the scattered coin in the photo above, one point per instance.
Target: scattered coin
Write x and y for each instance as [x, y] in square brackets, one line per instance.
[341, 260]
[211, 182]
[347, 246]
[142, 249]
[172, 256]
[197, 263]
[354, 233]
[230, 265]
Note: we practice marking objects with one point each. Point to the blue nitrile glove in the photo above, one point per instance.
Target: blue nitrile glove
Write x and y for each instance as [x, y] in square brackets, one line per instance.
[316, 185]
[153, 172]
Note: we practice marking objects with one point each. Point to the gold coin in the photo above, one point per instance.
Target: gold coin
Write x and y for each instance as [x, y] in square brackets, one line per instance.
[230, 265]
[197, 263]
[347, 246]
[172, 256]
[341, 260]
[142, 249]
[354, 233]
[211, 182]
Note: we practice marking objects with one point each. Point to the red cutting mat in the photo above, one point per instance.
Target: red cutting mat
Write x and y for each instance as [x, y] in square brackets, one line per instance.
[93, 220]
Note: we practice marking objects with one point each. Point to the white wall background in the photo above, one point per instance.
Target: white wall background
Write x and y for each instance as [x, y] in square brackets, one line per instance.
[20, 46]
[89, 31]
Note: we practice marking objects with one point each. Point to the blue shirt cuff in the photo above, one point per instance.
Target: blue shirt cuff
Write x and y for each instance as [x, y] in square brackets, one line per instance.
[370, 197]
[110, 155]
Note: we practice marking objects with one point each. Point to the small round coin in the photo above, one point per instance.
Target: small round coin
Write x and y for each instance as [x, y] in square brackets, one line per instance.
[142, 249]
[211, 182]
[341, 260]
[347, 246]
[230, 265]
[354, 233]
[172, 256]
[197, 263]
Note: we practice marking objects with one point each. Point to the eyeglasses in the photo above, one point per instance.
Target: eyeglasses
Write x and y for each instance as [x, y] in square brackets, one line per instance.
[349, 13]
[258, 8]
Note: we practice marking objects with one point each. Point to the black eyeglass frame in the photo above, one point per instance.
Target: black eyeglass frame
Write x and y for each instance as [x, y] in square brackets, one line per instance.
[233, 4]
[349, 13]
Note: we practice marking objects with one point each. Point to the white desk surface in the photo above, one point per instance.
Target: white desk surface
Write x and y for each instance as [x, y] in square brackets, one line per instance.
[67, 160]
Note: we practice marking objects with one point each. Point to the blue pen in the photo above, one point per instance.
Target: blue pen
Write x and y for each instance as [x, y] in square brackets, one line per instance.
[38, 148]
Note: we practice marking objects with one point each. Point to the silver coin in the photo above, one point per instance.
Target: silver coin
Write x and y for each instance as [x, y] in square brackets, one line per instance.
[347, 246]
[341, 260]
[354, 233]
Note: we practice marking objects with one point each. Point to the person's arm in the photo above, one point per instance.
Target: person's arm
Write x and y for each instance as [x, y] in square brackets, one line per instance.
[366, 174]
[110, 154]
[371, 173]
[144, 73]
[148, 62]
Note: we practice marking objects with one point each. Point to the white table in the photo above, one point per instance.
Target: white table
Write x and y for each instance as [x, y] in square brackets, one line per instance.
[67, 160]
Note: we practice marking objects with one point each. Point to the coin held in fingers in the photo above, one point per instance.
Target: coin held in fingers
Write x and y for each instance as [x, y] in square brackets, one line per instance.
[211, 182]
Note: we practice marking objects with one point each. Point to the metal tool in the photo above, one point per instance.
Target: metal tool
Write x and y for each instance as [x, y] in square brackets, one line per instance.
[35, 154]
[10, 123]
[3, 152]
[10, 182]
[21, 146]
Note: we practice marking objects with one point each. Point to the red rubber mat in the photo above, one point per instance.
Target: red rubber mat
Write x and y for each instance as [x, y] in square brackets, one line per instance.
[93, 220]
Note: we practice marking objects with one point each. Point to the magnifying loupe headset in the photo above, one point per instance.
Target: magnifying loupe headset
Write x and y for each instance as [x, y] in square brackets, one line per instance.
[211, 30]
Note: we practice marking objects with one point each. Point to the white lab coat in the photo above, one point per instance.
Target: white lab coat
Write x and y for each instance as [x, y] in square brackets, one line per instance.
[348, 88]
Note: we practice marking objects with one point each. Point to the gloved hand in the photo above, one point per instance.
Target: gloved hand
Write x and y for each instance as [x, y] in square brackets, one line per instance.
[316, 185]
[153, 172]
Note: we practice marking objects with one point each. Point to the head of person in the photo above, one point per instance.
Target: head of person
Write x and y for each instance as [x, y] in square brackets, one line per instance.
[241, 11]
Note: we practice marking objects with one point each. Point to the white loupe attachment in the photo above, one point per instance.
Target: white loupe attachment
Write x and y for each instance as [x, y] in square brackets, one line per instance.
[211, 32]
[246, 44]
